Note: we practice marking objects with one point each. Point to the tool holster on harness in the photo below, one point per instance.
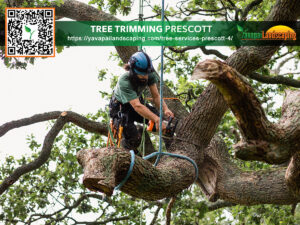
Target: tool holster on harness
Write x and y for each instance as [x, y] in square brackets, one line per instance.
[115, 123]
[114, 107]
[125, 115]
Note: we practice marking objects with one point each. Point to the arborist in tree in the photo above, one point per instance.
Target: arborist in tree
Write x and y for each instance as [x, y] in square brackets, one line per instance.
[127, 103]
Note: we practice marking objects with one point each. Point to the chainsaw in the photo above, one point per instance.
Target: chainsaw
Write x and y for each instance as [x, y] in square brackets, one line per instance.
[170, 127]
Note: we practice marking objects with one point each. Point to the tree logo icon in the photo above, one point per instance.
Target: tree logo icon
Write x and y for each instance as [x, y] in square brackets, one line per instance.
[240, 28]
[27, 29]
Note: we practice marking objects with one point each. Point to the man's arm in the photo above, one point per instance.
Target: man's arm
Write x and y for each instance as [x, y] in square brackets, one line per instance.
[156, 100]
[146, 113]
[143, 110]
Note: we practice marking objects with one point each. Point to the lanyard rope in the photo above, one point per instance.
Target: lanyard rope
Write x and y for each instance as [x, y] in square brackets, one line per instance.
[141, 15]
[161, 86]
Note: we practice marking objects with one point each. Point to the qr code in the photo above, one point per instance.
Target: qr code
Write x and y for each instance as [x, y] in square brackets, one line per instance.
[30, 32]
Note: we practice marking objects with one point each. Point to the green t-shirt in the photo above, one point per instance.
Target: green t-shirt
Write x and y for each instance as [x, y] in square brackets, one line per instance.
[124, 91]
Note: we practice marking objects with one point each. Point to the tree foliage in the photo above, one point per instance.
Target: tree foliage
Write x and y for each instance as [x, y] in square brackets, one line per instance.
[53, 194]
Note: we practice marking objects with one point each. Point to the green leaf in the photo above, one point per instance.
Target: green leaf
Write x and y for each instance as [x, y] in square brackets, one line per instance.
[240, 29]
[59, 49]
[27, 29]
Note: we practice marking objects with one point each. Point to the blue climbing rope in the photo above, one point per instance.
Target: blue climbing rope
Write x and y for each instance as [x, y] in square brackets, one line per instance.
[141, 15]
[161, 86]
[178, 156]
[129, 171]
[150, 156]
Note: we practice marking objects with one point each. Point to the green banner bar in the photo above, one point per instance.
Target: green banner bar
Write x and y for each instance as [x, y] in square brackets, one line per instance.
[175, 33]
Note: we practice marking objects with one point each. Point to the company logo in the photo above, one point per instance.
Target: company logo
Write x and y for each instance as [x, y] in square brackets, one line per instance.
[275, 33]
[30, 32]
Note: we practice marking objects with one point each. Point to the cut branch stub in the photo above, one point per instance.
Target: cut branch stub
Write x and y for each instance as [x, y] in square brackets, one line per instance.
[105, 168]
[239, 96]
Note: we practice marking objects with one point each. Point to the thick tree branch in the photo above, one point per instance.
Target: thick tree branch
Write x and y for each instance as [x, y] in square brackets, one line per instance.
[62, 118]
[218, 174]
[100, 222]
[218, 205]
[28, 121]
[81, 121]
[249, 8]
[182, 50]
[292, 174]
[246, 188]
[213, 52]
[262, 139]
[43, 157]
[153, 221]
[169, 209]
[279, 79]
[105, 168]
[204, 50]
[239, 96]
[206, 115]
[281, 64]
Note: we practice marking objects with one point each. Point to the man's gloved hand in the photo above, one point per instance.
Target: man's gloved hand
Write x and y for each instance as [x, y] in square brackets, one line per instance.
[168, 113]
[157, 125]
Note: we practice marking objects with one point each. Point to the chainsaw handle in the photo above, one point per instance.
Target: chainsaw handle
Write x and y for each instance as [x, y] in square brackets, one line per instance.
[151, 126]
[169, 123]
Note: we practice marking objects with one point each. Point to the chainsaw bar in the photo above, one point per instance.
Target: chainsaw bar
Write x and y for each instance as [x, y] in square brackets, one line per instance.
[168, 132]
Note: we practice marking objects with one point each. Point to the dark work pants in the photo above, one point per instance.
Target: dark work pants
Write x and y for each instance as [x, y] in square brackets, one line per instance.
[131, 136]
